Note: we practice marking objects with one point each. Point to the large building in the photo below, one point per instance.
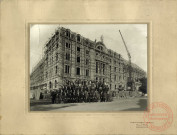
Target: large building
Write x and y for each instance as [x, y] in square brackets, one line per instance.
[70, 56]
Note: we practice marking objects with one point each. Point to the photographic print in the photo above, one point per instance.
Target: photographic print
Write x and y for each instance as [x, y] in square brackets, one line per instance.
[88, 67]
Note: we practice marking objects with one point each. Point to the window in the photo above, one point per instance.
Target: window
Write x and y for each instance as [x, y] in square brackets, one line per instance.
[101, 65]
[50, 84]
[86, 41]
[114, 69]
[78, 59]
[115, 86]
[66, 69]
[103, 69]
[67, 56]
[96, 78]
[100, 47]
[67, 33]
[72, 36]
[47, 63]
[87, 52]
[57, 45]
[78, 38]
[87, 72]
[56, 56]
[51, 71]
[56, 69]
[119, 77]
[114, 77]
[87, 62]
[67, 45]
[77, 71]
[52, 59]
[78, 49]
[55, 83]
[46, 74]
[96, 67]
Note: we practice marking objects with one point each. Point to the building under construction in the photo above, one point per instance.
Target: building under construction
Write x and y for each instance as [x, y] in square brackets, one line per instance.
[68, 56]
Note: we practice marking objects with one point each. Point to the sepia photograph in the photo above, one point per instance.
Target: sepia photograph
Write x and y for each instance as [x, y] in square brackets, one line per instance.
[88, 67]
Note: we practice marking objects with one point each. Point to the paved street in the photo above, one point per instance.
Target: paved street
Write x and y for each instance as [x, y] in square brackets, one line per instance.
[130, 104]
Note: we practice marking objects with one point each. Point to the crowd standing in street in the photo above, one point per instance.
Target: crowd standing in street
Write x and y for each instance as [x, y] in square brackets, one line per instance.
[78, 92]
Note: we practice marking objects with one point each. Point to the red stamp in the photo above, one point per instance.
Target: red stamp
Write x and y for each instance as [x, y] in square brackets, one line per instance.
[158, 116]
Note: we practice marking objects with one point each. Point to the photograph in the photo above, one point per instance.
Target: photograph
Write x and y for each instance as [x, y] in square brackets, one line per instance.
[88, 67]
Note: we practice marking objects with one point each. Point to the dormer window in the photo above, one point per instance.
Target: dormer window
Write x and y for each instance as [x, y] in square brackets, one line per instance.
[67, 33]
[86, 41]
[72, 36]
[119, 55]
[100, 48]
[78, 38]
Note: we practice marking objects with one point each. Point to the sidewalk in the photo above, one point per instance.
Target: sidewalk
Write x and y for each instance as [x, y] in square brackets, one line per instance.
[124, 104]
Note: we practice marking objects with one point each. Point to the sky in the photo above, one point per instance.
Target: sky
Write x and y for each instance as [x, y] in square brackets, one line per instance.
[135, 36]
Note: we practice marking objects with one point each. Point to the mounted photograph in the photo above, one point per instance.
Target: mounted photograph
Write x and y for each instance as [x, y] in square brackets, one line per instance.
[88, 67]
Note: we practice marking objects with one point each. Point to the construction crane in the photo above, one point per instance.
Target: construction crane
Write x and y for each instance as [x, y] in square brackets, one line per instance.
[130, 80]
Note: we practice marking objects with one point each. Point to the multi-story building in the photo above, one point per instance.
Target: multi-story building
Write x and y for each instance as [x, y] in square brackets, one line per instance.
[70, 56]
[37, 76]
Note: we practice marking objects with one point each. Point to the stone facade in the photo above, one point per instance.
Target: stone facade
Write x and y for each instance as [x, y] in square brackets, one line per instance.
[70, 56]
[37, 76]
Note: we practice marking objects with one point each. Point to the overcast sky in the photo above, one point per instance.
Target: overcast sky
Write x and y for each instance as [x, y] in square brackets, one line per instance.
[135, 36]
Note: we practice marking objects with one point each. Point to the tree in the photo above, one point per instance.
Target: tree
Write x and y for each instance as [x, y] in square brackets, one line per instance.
[143, 87]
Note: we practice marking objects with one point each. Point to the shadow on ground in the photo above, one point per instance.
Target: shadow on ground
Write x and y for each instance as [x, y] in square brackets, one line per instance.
[40, 102]
[142, 106]
[44, 108]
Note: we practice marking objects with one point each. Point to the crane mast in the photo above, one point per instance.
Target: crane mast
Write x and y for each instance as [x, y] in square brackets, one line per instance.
[129, 83]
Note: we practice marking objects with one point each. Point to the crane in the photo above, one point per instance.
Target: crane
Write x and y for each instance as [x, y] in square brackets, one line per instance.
[130, 81]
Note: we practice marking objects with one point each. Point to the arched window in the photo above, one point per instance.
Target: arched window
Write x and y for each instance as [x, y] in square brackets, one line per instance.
[55, 83]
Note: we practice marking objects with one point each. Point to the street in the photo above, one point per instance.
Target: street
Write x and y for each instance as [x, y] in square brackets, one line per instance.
[129, 104]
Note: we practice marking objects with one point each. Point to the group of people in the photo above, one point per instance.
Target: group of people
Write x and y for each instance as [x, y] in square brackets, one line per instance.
[78, 92]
